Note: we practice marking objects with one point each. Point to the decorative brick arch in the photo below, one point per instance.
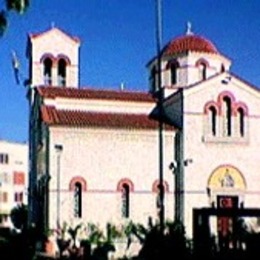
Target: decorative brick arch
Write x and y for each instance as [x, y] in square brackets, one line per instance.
[210, 104]
[241, 105]
[64, 57]
[47, 56]
[230, 95]
[155, 187]
[79, 179]
[172, 62]
[127, 182]
[202, 61]
[224, 94]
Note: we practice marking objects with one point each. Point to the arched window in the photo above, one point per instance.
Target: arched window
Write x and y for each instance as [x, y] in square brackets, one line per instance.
[62, 72]
[174, 68]
[222, 68]
[156, 190]
[77, 200]
[47, 71]
[202, 71]
[125, 203]
[227, 115]
[158, 198]
[241, 120]
[213, 120]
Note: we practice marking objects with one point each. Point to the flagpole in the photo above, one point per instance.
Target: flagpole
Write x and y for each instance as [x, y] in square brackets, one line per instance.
[160, 104]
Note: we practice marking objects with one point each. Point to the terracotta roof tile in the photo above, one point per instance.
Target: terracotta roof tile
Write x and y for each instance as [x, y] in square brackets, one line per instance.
[86, 93]
[51, 116]
[36, 35]
[187, 43]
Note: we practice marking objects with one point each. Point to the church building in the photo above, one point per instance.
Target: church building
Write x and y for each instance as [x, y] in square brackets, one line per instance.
[94, 153]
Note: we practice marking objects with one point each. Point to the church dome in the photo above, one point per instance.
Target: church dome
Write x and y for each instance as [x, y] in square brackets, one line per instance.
[189, 43]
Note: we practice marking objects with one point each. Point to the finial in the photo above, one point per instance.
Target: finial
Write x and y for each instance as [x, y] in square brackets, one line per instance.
[189, 31]
[52, 25]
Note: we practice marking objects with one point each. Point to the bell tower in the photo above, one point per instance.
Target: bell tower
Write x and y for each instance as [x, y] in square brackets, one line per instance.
[53, 59]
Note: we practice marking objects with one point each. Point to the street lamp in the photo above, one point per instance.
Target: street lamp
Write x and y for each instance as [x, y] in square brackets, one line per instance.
[58, 149]
[160, 107]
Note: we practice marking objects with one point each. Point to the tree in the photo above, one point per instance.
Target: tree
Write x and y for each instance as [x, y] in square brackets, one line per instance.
[19, 216]
[18, 6]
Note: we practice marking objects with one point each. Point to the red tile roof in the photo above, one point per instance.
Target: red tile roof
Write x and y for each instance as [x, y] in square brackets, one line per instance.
[86, 93]
[36, 35]
[187, 43]
[52, 116]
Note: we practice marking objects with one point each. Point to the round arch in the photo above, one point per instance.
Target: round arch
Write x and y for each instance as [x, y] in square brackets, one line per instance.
[227, 177]
[79, 179]
[65, 58]
[155, 187]
[47, 56]
[127, 182]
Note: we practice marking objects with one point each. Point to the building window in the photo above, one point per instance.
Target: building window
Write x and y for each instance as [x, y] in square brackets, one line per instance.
[241, 121]
[202, 66]
[62, 72]
[157, 192]
[125, 200]
[158, 199]
[18, 197]
[226, 120]
[227, 116]
[202, 71]
[222, 68]
[78, 200]
[174, 69]
[3, 196]
[4, 158]
[4, 178]
[125, 187]
[47, 71]
[211, 111]
[213, 120]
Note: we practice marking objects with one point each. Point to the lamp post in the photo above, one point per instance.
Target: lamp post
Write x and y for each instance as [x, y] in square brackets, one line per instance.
[160, 107]
[58, 149]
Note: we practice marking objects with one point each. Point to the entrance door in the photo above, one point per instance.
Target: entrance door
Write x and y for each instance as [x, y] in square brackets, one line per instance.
[225, 224]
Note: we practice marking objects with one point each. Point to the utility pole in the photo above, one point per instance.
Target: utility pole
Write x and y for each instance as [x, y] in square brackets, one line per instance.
[160, 93]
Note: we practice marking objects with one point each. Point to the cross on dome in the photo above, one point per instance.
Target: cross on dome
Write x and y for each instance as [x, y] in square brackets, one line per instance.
[189, 31]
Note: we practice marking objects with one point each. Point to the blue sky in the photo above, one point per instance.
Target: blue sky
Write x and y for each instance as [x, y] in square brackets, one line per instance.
[118, 39]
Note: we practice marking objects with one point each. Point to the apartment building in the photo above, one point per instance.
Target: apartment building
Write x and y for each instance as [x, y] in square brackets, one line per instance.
[13, 178]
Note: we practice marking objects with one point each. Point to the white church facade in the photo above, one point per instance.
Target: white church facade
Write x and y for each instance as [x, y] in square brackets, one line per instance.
[94, 152]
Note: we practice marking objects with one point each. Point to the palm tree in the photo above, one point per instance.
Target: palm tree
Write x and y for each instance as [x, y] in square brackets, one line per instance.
[18, 6]
[73, 232]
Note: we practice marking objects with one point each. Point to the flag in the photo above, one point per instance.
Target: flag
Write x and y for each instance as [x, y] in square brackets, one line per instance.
[16, 67]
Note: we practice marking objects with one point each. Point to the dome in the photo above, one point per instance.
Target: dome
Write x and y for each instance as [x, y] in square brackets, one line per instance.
[187, 43]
